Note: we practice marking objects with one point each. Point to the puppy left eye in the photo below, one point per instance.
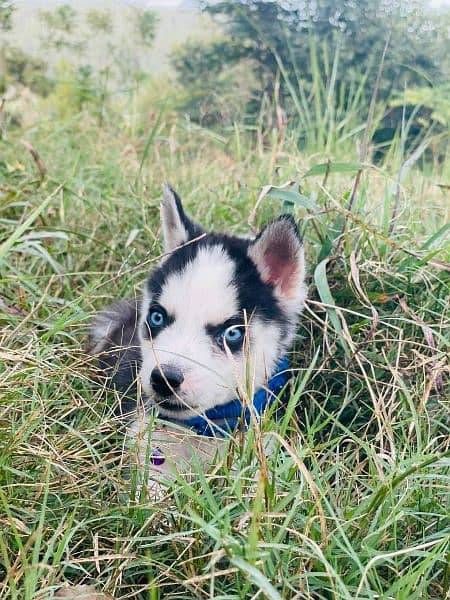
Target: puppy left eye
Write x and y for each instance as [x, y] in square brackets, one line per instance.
[233, 336]
[156, 318]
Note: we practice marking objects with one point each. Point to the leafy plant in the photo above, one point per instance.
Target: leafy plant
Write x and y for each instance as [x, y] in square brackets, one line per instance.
[145, 25]
[312, 62]
[76, 88]
[434, 99]
[100, 21]
[62, 29]
[6, 14]
[25, 70]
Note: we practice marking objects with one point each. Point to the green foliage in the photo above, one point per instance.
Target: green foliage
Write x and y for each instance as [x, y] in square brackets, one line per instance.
[88, 80]
[24, 69]
[61, 29]
[195, 60]
[212, 94]
[100, 21]
[145, 24]
[62, 18]
[6, 14]
[283, 29]
[17, 67]
[313, 57]
[435, 99]
[76, 88]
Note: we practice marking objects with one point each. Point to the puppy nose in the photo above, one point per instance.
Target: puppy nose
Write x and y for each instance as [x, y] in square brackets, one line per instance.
[166, 379]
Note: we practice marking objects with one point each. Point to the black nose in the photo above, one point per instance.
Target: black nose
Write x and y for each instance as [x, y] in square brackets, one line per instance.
[166, 379]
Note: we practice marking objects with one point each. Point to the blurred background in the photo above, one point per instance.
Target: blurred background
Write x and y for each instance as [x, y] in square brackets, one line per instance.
[308, 68]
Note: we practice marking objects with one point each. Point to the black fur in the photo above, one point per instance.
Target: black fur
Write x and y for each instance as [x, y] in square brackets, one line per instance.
[120, 355]
[193, 229]
[254, 296]
[119, 359]
[216, 332]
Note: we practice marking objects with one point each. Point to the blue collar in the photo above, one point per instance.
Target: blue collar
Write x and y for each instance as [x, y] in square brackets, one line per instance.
[221, 420]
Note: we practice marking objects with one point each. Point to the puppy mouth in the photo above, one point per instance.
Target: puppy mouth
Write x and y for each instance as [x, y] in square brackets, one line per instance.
[172, 405]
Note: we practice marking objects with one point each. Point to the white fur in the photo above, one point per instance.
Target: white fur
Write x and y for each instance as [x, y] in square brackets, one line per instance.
[203, 294]
[180, 447]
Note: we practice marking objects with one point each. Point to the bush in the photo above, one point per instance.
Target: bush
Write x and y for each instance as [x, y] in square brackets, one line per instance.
[310, 58]
[76, 88]
[213, 94]
[26, 70]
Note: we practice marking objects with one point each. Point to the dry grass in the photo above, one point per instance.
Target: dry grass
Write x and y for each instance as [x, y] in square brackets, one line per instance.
[354, 501]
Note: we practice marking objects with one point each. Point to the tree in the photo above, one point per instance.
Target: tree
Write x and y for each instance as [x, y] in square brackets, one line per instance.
[299, 42]
[6, 13]
[15, 65]
[282, 29]
[62, 29]
[213, 93]
[100, 21]
[145, 24]
[24, 69]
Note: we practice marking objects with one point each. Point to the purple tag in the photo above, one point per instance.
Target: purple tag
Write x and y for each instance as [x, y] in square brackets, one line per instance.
[157, 457]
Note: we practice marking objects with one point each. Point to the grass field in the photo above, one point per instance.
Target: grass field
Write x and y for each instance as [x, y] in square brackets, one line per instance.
[354, 502]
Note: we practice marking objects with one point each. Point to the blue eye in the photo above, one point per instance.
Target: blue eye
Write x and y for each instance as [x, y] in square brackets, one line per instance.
[156, 318]
[232, 335]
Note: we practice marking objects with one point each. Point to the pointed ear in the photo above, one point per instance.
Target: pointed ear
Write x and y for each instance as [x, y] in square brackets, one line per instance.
[278, 255]
[177, 227]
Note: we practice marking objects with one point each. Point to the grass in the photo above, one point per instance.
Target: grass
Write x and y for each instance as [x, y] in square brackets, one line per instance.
[354, 500]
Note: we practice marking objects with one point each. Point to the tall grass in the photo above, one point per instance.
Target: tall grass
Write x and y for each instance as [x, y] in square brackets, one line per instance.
[353, 501]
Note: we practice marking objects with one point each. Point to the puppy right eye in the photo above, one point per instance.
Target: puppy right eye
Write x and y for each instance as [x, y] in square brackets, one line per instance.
[232, 337]
[156, 318]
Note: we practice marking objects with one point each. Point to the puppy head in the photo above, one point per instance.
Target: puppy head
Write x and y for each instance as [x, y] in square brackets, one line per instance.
[219, 311]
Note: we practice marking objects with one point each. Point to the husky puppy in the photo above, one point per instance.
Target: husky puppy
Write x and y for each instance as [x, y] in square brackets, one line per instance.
[217, 313]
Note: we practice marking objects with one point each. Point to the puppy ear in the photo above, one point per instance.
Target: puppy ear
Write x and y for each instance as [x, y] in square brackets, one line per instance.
[177, 227]
[278, 255]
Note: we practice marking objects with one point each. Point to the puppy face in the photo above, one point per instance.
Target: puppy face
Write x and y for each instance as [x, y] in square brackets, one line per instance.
[218, 313]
